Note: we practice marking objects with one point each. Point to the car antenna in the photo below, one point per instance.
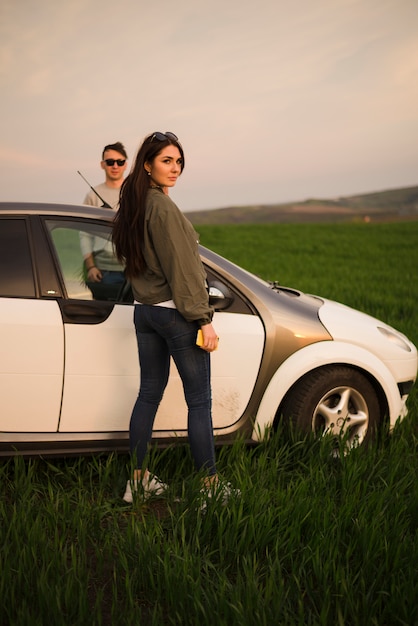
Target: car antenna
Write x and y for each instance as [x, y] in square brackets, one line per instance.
[105, 204]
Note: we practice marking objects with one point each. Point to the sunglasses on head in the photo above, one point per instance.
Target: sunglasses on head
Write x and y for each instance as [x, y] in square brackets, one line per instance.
[111, 162]
[164, 137]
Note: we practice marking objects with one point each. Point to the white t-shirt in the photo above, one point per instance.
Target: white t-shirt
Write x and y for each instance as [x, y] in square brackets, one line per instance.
[109, 194]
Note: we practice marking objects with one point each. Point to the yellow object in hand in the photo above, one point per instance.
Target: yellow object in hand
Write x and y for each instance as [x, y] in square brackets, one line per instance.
[199, 339]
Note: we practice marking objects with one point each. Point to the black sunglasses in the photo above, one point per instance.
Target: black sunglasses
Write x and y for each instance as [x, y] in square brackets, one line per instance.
[164, 137]
[111, 162]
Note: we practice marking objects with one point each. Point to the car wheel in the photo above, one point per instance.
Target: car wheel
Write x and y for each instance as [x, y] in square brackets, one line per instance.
[337, 401]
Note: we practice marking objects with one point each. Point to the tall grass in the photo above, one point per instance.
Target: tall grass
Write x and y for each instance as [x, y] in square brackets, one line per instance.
[312, 540]
[371, 267]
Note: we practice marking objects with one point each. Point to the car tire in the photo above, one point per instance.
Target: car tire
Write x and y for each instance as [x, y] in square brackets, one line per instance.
[337, 401]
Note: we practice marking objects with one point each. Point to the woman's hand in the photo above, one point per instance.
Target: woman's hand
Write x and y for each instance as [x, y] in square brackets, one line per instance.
[210, 338]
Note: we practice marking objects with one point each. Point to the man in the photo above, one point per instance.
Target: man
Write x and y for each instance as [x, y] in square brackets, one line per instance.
[114, 163]
[104, 274]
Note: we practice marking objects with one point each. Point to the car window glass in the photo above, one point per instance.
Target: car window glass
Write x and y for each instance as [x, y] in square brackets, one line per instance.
[73, 243]
[16, 273]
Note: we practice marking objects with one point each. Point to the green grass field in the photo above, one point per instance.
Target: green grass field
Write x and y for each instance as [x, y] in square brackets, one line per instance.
[313, 540]
[371, 267]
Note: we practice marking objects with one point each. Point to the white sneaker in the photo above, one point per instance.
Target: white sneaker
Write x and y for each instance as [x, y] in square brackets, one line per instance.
[145, 488]
[218, 492]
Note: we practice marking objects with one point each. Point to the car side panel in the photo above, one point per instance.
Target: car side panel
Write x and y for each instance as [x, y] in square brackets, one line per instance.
[102, 374]
[31, 365]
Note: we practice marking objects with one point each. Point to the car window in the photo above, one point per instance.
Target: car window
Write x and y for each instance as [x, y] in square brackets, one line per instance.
[16, 273]
[73, 243]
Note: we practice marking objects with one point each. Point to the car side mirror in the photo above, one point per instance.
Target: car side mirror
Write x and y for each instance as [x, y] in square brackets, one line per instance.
[220, 296]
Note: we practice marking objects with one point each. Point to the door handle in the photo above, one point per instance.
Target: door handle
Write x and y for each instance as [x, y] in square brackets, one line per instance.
[85, 312]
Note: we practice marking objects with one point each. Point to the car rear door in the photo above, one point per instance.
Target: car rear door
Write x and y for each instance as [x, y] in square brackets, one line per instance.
[31, 337]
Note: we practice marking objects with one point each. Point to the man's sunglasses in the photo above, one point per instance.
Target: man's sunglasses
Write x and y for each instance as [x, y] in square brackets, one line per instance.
[164, 137]
[111, 162]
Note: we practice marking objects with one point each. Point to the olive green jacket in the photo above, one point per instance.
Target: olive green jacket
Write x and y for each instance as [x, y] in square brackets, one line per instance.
[174, 269]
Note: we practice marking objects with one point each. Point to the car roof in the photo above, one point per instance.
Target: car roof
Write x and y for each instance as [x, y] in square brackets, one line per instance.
[45, 208]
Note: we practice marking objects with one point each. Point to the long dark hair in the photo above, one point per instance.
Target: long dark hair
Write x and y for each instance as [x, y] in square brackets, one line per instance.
[128, 225]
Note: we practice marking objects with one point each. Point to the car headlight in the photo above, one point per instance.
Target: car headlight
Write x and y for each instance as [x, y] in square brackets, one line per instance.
[394, 337]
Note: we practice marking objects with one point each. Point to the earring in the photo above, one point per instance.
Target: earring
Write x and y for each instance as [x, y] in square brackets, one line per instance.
[149, 173]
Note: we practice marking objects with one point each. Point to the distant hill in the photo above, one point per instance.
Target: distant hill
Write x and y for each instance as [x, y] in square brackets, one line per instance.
[395, 204]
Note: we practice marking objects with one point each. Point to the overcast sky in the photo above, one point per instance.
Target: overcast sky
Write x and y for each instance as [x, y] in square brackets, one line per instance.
[273, 100]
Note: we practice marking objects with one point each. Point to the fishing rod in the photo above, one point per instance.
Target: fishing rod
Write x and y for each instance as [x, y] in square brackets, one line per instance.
[105, 204]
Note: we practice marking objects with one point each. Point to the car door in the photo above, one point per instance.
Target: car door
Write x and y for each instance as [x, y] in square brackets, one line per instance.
[101, 374]
[31, 338]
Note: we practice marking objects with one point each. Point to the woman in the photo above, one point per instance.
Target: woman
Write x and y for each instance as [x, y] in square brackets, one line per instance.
[159, 248]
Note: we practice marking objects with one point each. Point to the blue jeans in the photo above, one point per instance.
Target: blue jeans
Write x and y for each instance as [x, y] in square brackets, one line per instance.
[163, 332]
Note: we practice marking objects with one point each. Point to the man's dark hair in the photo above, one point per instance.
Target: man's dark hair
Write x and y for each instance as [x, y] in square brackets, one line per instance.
[118, 147]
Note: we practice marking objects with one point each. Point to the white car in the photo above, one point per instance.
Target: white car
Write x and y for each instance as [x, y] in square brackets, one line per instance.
[69, 372]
